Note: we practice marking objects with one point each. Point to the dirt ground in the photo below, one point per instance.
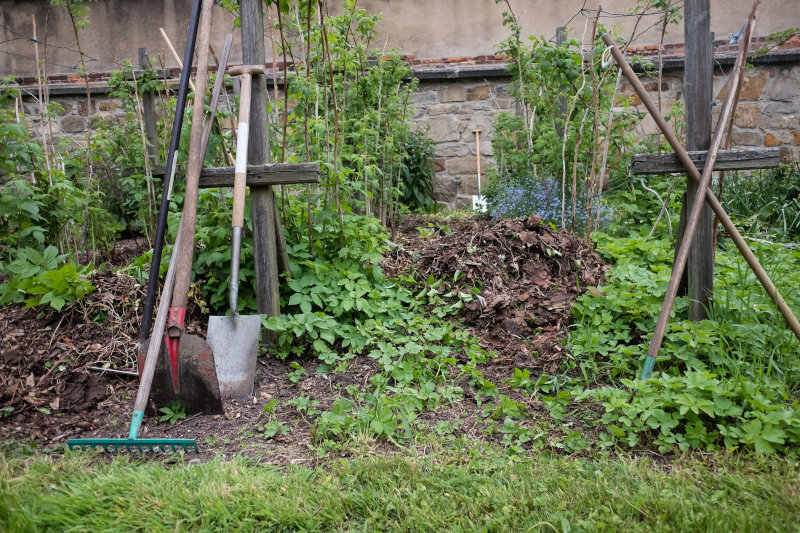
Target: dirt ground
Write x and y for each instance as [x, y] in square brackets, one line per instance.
[73, 374]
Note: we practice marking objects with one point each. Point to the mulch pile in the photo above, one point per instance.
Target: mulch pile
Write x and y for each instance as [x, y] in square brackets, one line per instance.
[528, 276]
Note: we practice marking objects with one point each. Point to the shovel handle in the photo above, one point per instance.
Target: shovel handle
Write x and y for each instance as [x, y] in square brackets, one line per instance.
[240, 175]
[184, 262]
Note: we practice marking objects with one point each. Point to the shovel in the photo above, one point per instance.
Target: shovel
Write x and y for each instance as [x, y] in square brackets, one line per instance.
[185, 373]
[164, 391]
[234, 339]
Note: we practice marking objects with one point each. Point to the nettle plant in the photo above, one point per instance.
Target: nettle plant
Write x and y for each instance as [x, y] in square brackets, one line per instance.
[568, 131]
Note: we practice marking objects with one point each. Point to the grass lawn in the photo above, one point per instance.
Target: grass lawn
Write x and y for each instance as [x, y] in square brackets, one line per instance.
[460, 488]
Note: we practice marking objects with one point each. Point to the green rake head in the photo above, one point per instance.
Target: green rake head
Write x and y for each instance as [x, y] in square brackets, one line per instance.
[135, 445]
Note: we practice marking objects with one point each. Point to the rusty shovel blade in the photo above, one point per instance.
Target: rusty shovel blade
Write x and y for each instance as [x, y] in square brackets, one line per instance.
[198, 390]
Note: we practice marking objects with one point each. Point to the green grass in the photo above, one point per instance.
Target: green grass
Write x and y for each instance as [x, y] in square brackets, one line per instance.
[462, 489]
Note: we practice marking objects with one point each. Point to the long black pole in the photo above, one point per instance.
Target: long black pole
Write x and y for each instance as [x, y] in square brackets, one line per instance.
[163, 211]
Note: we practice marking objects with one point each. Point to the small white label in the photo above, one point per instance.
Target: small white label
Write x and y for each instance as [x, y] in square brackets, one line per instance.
[241, 148]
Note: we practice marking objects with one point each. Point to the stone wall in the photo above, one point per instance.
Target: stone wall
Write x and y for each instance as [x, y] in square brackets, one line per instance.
[450, 112]
[768, 115]
[451, 109]
[72, 122]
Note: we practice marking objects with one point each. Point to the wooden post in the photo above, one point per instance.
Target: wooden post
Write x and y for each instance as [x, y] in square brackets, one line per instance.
[698, 84]
[262, 199]
[149, 106]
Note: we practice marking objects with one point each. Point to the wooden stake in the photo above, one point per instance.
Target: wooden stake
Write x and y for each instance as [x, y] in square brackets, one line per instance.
[737, 238]
[175, 55]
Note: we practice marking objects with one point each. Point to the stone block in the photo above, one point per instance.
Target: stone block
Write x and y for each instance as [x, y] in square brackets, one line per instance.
[775, 121]
[443, 109]
[771, 140]
[463, 202]
[32, 110]
[783, 137]
[65, 108]
[438, 164]
[476, 122]
[795, 137]
[442, 128]
[752, 87]
[480, 92]
[107, 105]
[784, 90]
[747, 115]
[465, 165]
[746, 138]
[73, 124]
[452, 149]
[469, 184]
[453, 93]
[83, 108]
[445, 188]
[780, 107]
[423, 97]
[503, 102]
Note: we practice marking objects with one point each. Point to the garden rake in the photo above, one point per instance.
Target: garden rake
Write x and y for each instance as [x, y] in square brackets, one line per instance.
[133, 443]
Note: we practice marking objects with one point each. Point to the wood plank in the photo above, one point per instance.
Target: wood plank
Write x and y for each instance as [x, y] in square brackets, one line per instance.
[698, 88]
[258, 175]
[263, 175]
[748, 159]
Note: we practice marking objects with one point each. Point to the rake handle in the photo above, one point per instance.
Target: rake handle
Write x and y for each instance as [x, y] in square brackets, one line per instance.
[149, 369]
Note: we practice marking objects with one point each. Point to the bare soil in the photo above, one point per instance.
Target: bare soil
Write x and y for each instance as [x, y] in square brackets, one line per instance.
[73, 374]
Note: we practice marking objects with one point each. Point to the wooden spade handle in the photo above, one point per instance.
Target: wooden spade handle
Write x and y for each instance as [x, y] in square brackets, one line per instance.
[184, 261]
[240, 175]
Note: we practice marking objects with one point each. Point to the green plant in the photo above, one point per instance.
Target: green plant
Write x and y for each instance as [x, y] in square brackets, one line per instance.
[416, 172]
[765, 201]
[728, 381]
[37, 279]
[551, 150]
[172, 414]
[298, 372]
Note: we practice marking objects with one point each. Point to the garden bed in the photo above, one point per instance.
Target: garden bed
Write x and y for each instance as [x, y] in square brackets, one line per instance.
[526, 277]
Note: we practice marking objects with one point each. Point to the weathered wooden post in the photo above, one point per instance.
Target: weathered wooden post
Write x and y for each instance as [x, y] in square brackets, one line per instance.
[698, 83]
[262, 198]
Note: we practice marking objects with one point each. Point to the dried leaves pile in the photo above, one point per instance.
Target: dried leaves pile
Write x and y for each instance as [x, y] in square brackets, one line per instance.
[528, 277]
[52, 362]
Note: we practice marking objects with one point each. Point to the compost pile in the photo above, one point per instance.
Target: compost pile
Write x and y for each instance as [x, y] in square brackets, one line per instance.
[51, 363]
[528, 276]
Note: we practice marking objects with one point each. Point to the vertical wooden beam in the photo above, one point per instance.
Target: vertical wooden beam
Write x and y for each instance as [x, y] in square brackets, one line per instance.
[149, 105]
[262, 199]
[698, 83]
